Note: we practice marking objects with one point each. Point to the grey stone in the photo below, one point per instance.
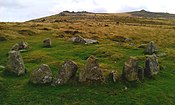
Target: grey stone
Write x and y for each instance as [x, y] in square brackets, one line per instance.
[151, 66]
[82, 40]
[79, 39]
[15, 47]
[142, 46]
[151, 48]
[41, 75]
[15, 63]
[23, 45]
[67, 71]
[47, 42]
[130, 69]
[91, 72]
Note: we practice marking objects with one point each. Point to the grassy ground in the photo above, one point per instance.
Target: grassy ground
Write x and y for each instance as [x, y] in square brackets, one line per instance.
[112, 55]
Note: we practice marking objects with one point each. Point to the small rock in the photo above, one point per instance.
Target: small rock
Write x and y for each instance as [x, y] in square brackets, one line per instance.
[113, 76]
[15, 47]
[67, 71]
[47, 42]
[142, 46]
[151, 66]
[162, 55]
[15, 63]
[41, 75]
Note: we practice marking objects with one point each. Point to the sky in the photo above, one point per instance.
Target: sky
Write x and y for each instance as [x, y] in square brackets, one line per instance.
[23, 10]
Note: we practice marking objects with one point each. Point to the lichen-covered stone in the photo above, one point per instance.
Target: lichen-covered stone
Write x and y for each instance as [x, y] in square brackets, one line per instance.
[15, 63]
[91, 72]
[79, 39]
[130, 69]
[47, 42]
[151, 48]
[67, 71]
[15, 47]
[41, 75]
[23, 45]
[151, 66]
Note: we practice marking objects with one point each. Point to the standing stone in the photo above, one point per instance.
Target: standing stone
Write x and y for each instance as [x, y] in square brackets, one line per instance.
[23, 45]
[92, 71]
[67, 71]
[151, 66]
[15, 63]
[79, 39]
[41, 75]
[15, 47]
[47, 42]
[151, 48]
[113, 76]
[130, 70]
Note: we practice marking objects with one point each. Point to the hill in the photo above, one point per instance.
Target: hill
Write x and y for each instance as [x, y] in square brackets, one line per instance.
[147, 14]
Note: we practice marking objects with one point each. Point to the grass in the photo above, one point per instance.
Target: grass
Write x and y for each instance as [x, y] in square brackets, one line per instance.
[111, 54]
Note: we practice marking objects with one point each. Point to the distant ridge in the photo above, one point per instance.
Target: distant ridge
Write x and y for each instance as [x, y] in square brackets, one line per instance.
[148, 14]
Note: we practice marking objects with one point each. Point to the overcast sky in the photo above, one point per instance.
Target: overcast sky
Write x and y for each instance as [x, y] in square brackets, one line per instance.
[23, 10]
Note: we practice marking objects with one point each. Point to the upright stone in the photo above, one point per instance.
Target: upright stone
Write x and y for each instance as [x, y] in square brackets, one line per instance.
[47, 42]
[151, 48]
[92, 71]
[41, 75]
[67, 71]
[23, 45]
[130, 69]
[151, 66]
[15, 63]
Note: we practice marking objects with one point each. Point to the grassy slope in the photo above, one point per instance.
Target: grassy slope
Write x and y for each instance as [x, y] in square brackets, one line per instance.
[17, 90]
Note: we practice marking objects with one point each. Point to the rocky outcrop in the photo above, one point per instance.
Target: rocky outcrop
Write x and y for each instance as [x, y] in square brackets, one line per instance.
[151, 66]
[47, 43]
[91, 72]
[151, 48]
[130, 69]
[67, 71]
[15, 63]
[41, 75]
